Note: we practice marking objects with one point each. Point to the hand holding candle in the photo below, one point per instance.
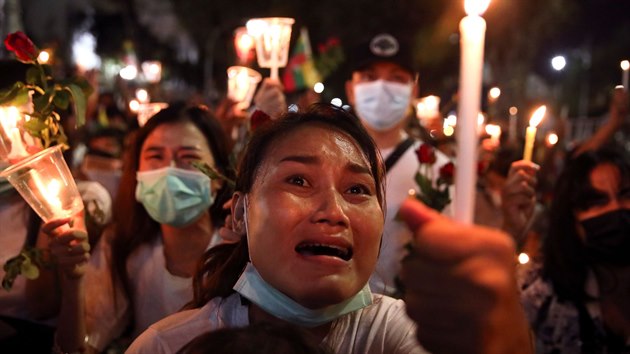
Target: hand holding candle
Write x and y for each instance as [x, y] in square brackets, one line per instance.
[530, 134]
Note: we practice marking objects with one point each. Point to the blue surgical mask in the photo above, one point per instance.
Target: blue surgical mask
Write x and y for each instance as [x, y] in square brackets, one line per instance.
[382, 104]
[255, 289]
[174, 196]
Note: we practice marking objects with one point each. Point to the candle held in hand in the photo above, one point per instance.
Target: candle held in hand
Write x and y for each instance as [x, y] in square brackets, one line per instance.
[472, 29]
[530, 134]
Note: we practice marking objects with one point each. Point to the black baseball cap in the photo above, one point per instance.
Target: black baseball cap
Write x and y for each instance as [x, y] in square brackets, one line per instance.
[382, 47]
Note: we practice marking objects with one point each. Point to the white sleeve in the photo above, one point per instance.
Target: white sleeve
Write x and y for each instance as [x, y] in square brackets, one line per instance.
[149, 342]
[106, 314]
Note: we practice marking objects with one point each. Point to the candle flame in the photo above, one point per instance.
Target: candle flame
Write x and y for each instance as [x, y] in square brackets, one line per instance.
[9, 117]
[538, 116]
[493, 130]
[480, 119]
[625, 65]
[476, 7]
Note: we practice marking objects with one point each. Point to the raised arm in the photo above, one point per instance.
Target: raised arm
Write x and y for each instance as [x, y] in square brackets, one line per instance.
[460, 286]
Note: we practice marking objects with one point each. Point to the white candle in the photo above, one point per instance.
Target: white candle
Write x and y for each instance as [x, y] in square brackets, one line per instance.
[472, 29]
[530, 134]
[625, 68]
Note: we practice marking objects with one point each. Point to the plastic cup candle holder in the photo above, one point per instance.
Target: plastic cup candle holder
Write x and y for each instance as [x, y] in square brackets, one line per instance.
[272, 36]
[242, 82]
[46, 184]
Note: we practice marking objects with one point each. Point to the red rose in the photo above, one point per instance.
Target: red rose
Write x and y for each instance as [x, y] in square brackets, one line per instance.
[22, 46]
[447, 172]
[426, 154]
[258, 119]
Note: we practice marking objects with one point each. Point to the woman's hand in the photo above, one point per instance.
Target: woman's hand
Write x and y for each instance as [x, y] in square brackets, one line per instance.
[270, 98]
[460, 286]
[68, 245]
[518, 198]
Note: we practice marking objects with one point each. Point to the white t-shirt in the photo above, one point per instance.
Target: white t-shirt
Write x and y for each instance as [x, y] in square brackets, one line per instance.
[400, 179]
[382, 327]
[156, 292]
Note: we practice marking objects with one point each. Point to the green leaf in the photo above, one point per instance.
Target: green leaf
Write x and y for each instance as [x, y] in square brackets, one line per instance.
[62, 100]
[82, 83]
[79, 102]
[33, 76]
[35, 126]
[29, 270]
[15, 96]
[40, 103]
[212, 173]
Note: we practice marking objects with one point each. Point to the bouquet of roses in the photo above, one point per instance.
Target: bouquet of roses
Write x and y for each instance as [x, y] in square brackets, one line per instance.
[433, 193]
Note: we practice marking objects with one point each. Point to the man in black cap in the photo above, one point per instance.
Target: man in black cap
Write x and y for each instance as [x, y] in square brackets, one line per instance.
[381, 90]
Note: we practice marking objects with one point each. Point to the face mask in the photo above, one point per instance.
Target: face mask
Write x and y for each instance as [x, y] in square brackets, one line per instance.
[174, 196]
[608, 237]
[254, 288]
[382, 104]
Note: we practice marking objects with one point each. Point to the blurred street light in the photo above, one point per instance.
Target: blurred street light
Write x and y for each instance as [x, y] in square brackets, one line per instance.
[558, 62]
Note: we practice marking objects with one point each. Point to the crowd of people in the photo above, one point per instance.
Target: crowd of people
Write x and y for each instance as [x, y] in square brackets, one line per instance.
[312, 243]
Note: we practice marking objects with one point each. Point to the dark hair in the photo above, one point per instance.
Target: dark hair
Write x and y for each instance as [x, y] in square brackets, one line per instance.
[259, 338]
[565, 262]
[132, 224]
[223, 264]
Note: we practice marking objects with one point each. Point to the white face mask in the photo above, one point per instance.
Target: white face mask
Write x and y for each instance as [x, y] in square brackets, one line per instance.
[382, 104]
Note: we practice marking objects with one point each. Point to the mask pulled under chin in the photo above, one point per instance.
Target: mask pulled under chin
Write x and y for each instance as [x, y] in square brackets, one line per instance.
[174, 196]
[382, 104]
[608, 238]
[253, 287]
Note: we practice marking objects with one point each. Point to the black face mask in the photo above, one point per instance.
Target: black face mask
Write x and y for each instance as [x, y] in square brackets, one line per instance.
[608, 238]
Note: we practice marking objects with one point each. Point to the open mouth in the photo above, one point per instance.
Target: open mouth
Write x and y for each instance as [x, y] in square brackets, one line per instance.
[319, 249]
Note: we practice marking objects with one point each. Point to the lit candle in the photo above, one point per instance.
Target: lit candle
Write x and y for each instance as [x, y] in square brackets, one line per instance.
[472, 29]
[495, 133]
[50, 193]
[272, 36]
[9, 117]
[530, 134]
[625, 68]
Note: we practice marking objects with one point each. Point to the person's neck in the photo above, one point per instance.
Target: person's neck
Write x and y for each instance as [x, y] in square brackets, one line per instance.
[387, 139]
[257, 315]
[183, 246]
